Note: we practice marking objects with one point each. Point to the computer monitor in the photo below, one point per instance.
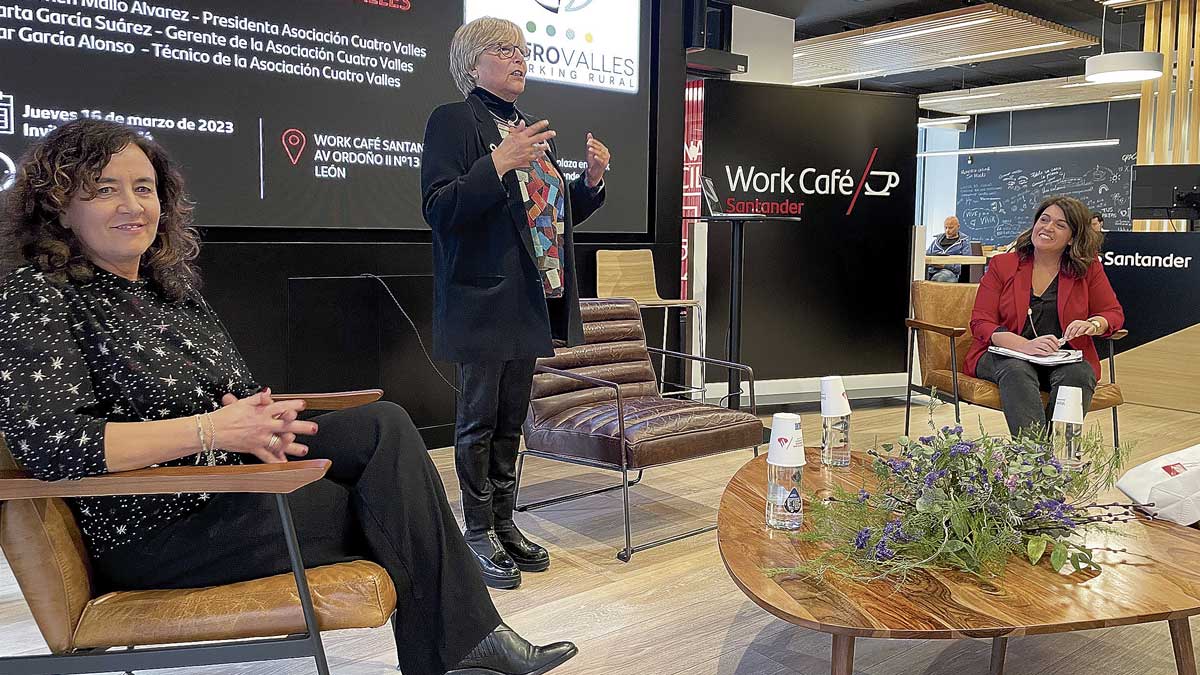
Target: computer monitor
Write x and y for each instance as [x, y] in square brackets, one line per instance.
[1166, 191]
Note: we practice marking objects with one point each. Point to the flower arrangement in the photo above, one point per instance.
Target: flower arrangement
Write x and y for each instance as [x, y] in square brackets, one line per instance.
[948, 502]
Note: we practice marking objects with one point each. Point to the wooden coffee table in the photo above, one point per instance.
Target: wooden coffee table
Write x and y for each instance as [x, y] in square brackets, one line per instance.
[1154, 578]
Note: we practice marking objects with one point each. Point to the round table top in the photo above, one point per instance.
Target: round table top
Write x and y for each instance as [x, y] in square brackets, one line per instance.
[1149, 573]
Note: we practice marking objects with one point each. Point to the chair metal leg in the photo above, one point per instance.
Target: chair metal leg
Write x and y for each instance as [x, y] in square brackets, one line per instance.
[662, 362]
[571, 497]
[703, 351]
[912, 338]
[1116, 430]
[626, 554]
[520, 466]
[954, 376]
[306, 604]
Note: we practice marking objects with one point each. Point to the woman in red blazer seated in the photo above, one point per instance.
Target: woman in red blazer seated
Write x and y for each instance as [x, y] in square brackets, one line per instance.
[1050, 286]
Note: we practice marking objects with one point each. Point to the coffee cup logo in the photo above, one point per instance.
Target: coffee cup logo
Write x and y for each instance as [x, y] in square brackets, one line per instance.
[889, 179]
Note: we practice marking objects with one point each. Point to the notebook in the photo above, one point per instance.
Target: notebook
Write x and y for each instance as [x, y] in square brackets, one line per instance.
[1058, 358]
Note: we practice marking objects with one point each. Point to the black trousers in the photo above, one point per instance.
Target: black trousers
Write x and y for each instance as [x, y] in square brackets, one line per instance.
[492, 405]
[382, 500]
[1022, 382]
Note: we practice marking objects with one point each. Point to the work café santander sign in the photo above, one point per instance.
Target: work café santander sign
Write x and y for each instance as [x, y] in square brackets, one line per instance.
[844, 163]
[810, 152]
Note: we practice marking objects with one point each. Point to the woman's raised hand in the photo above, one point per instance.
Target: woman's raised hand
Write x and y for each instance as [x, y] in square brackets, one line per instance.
[522, 146]
[261, 426]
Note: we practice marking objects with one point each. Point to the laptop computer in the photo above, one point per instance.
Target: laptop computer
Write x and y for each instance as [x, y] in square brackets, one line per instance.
[712, 205]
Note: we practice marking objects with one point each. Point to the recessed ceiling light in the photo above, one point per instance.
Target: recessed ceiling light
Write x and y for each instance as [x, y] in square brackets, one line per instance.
[926, 31]
[839, 78]
[958, 98]
[1002, 52]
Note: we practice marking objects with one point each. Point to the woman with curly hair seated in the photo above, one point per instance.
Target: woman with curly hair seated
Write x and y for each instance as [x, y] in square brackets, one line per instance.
[110, 360]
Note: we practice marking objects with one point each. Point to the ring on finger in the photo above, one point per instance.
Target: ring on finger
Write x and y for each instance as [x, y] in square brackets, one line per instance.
[273, 442]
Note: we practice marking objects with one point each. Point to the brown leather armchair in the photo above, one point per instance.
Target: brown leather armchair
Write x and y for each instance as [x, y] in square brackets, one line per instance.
[940, 332]
[599, 405]
[42, 542]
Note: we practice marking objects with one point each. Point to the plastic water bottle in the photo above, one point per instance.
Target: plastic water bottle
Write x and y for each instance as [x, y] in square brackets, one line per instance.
[785, 473]
[835, 440]
[785, 506]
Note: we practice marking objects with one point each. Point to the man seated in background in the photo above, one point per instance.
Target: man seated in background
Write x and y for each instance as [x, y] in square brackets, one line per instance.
[952, 242]
[1097, 221]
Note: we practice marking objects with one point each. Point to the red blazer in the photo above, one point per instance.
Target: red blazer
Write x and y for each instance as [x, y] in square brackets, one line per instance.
[1003, 302]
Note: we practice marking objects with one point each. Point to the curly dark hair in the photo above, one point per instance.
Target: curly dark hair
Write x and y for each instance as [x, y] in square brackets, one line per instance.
[67, 163]
[1085, 242]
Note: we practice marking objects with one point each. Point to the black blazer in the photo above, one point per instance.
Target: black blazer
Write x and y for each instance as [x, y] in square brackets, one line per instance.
[488, 300]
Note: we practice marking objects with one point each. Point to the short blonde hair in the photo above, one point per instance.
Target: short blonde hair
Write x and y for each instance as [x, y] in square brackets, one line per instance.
[474, 38]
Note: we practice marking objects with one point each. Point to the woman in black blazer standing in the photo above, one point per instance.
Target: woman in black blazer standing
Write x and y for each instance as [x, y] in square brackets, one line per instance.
[502, 215]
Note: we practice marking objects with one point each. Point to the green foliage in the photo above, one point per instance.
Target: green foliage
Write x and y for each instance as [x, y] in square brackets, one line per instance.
[944, 501]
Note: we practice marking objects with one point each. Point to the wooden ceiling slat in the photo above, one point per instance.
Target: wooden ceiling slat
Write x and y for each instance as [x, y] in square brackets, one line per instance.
[828, 56]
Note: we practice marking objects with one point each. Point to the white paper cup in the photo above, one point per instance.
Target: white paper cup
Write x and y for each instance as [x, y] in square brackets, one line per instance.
[787, 441]
[1068, 405]
[834, 402]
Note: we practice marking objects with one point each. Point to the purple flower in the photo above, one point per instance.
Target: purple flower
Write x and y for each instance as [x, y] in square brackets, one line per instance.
[998, 456]
[961, 448]
[1056, 464]
[882, 552]
[925, 440]
[933, 476]
[898, 465]
[861, 539]
[971, 489]
[863, 495]
[1011, 483]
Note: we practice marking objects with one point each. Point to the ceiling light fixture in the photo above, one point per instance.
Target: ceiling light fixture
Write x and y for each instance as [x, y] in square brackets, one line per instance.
[1027, 106]
[838, 78]
[1124, 67]
[1121, 66]
[927, 31]
[1021, 148]
[942, 121]
[1015, 50]
[957, 98]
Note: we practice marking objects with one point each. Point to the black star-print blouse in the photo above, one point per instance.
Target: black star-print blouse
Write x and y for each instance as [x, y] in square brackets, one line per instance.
[76, 356]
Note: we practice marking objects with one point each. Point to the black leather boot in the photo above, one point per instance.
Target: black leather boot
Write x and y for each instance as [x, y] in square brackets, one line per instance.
[528, 556]
[503, 652]
[498, 569]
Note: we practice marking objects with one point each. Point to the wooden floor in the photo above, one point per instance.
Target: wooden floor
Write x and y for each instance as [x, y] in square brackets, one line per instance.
[673, 609]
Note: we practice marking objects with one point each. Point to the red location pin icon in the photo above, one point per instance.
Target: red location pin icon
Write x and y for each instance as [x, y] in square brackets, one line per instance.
[293, 144]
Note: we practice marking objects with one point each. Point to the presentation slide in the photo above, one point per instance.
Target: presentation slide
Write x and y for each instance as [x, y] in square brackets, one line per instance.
[312, 113]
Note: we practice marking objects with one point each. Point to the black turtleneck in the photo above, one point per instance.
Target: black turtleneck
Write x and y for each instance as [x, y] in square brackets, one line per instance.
[498, 106]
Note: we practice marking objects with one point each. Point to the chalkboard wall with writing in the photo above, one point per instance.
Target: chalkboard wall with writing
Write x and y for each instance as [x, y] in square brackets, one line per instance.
[998, 193]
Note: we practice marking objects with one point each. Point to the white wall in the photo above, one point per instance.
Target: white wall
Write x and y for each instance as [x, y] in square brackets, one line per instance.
[766, 40]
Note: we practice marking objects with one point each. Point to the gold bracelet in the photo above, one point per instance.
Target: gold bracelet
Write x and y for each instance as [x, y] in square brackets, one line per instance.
[199, 435]
[212, 440]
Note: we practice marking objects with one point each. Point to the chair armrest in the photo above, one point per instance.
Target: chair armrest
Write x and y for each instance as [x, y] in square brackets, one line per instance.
[706, 359]
[1119, 334]
[948, 331]
[259, 478]
[716, 362]
[337, 400]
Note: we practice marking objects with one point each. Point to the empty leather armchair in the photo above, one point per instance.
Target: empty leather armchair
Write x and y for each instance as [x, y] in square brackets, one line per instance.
[598, 404]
